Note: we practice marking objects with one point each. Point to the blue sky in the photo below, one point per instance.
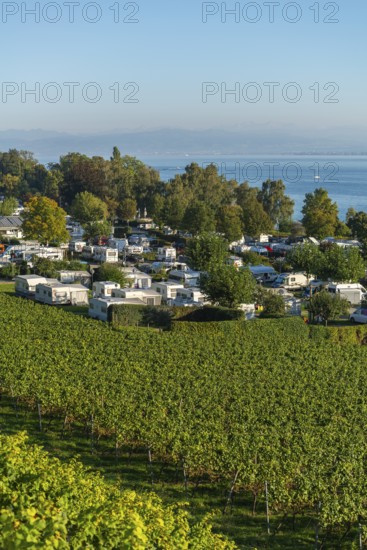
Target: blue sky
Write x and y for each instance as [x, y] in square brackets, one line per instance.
[170, 52]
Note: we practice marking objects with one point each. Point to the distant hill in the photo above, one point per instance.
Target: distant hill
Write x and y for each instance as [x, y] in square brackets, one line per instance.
[167, 141]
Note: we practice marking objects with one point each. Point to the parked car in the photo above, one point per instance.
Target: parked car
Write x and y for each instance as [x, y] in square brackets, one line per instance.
[359, 315]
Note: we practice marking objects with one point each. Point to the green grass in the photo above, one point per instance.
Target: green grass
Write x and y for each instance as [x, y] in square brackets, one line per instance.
[130, 467]
[7, 287]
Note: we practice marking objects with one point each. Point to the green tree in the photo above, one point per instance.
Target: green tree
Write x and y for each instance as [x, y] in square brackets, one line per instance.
[227, 286]
[111, 272]
[276, 203]
[95, 230]
[8, 206]
[207, 250]
[344, 265]
[274, 305]
[357, 223]
[199, 218]
[87, 208]
[255, 219]
[229, 222]
[127, 210]
[327, 306]
[44, 221]
[320, 214]
[53, 183]
[306, 257]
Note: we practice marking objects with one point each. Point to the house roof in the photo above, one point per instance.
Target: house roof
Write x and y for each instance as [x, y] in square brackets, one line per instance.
[10, 221]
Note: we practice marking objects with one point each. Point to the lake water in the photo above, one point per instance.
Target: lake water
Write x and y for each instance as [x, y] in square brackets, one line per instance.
[344, 177]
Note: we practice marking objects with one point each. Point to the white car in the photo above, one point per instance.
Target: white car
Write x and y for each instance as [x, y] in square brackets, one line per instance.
[359, 315]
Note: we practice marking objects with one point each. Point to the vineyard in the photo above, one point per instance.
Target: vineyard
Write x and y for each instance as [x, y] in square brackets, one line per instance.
[260, 408]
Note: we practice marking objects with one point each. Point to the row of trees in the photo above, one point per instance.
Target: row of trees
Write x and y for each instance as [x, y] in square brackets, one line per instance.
[96, 191]
[328, 261]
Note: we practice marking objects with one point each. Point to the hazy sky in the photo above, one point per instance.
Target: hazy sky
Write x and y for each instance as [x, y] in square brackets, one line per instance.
[181, 68]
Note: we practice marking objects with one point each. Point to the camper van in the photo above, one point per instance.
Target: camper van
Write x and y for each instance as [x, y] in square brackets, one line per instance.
[353, 292]
[291, 281]
[263, 273]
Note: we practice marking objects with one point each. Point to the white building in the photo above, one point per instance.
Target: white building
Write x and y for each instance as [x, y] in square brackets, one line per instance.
[72, 277]
[105, 255]
[25, 285]
[77, 246]
[11, 227]
[55, 293]
[147, 296]
[136, 278]
[103, 289]
[120, 244]
[166, 254]
[188, 297]
[188, 278]
[167, 290]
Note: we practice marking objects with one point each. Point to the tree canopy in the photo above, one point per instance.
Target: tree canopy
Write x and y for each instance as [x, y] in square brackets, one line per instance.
[44, 221]
[227, 286]
[320, 214]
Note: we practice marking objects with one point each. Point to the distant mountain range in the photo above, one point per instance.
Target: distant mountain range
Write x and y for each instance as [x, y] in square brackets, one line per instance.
[48, 145]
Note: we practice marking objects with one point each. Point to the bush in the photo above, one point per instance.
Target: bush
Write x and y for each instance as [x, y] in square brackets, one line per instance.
[143, 316]
[9, 272]
[274, 305]
[110, 272]
[209, 314]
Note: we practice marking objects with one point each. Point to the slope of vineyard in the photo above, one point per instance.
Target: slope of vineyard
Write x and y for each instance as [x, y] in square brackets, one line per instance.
[246, 402]
[47, 504]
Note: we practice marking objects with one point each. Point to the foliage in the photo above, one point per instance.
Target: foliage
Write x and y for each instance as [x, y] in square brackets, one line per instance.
[357, 222]
[209, 314]
[327, 306]
[306, 257]
[9, 271]
[240, 390]
[127, 209]
[8, 206]
[320, 214]
[87, 208]
[134, 315]
[227, 286]
[255, 219]
[276, 203]
[50, 268]
[207, 250]
[230, 222]
[341, 265]
[44, 221]
[49, 504]
[253, 258]
[110, 272]
[274, 305]
[97, 230]
[199, 218]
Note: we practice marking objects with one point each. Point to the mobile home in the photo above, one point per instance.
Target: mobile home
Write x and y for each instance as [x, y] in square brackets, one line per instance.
[103, 289]
[188, 278]
[148, 296]
[291, 281]
[72, 277]
[353, 292]
[166, 254]
[25, 285]
[167, 290]
[263, 273]
[105, 255]
[59, 294]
